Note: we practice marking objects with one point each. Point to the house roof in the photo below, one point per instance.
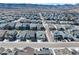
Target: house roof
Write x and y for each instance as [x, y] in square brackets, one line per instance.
[21, 34]
[2, 33]
[40, 34]
[33, 25]
[18, 24]
[30, 34]
[58, 33]
[43, 52]
[3, 25]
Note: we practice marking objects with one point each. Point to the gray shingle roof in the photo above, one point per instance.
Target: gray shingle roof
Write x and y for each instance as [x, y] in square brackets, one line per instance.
[40, 35]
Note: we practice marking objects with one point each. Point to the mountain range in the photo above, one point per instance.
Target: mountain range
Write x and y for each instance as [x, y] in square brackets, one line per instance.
[17, 6]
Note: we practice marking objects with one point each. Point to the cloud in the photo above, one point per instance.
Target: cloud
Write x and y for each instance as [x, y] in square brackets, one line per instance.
[40, 1]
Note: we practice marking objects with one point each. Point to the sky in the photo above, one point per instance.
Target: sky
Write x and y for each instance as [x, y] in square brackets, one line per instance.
[41, 1]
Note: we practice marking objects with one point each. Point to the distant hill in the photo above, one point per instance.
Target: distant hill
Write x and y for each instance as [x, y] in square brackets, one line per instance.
[17, 6]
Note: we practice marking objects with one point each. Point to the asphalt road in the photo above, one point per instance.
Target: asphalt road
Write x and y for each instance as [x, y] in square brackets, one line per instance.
[47, 31]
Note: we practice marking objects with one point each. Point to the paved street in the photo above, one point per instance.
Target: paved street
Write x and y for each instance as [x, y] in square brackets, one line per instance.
[39, 45]
[47, 31]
